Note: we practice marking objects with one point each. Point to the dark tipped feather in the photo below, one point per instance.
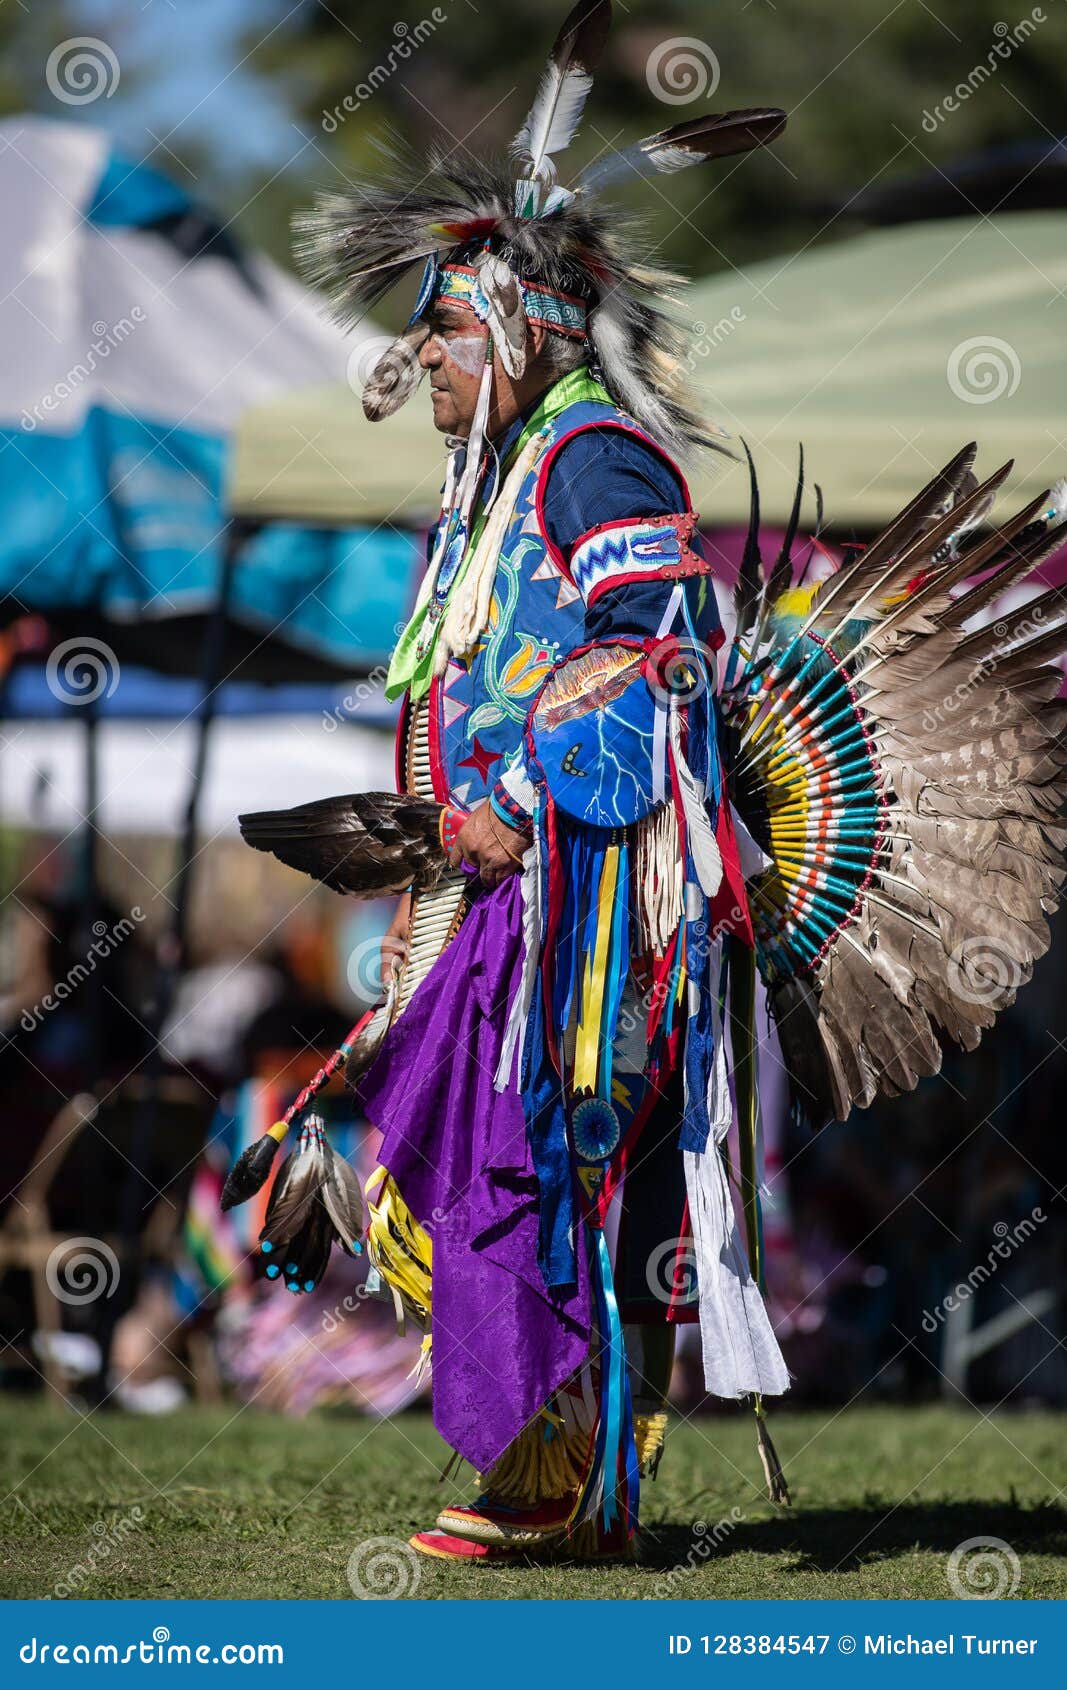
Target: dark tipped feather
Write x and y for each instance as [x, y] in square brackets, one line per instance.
[249, 1173]
[748, 576]
[553, 119]
[782, 573]
[366, 844]
[341, 1196]
[697, 141]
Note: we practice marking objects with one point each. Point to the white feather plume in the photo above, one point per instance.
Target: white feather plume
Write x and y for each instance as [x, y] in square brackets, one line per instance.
[554, 118]
[614, 342]
[707, 858]
[1056, 509]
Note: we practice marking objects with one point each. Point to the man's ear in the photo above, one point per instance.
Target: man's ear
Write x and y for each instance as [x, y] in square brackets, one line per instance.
[536, 336]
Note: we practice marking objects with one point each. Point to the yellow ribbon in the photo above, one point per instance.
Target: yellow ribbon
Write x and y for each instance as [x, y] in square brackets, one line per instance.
[587, 1044]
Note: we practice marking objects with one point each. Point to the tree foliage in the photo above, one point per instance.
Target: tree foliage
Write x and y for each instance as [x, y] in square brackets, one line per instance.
[865, 85]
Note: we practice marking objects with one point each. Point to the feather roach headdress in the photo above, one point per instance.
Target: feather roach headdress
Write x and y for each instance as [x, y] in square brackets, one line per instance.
[520, 248]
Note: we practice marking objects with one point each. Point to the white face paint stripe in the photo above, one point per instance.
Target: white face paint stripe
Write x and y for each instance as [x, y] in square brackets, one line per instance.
[466, 352]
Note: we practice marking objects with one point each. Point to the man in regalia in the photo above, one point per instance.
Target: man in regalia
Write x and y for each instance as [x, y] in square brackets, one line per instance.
[610, 823]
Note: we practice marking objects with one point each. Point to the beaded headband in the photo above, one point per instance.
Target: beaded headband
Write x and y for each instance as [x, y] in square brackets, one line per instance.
[562, 312]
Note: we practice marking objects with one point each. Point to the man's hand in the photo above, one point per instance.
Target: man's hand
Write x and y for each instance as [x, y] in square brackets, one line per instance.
[486, 841]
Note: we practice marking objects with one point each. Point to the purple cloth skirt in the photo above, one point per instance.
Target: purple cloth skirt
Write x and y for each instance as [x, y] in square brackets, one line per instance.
[456, 1147]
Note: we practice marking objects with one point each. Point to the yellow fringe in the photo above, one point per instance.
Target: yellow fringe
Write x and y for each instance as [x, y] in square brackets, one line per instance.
[401, 1250]
[545, 1461]
[650, 1431]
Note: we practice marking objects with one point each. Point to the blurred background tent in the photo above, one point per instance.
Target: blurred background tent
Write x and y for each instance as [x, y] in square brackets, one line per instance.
[147, 745]
[135, 330]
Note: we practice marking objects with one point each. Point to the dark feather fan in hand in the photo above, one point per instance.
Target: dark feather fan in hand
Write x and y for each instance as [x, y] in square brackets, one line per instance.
[903, 766]
[314, 1203]
[366, 843]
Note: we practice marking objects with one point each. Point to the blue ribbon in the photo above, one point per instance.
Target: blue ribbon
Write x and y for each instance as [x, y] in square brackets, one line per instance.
[546, 1129]
[615, 1445]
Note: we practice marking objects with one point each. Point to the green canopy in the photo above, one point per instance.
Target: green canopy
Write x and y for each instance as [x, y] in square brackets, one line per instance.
[883, 354]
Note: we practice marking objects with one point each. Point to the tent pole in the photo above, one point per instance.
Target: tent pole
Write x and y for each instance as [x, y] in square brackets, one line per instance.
[89, 888]
[171, 961]
[211, 677]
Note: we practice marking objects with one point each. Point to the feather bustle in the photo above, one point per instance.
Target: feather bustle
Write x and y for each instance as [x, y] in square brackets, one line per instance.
[965, 747]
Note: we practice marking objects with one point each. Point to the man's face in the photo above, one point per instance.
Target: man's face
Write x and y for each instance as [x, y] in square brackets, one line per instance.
[454, 354]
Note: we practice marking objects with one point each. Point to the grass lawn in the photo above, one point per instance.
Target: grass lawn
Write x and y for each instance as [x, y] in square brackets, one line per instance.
[238, 1503]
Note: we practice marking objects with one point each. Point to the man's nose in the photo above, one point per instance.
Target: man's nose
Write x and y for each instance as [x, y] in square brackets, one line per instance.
[430, 353]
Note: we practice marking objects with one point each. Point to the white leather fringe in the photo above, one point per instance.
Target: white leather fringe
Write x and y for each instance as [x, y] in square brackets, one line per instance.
[467, 616]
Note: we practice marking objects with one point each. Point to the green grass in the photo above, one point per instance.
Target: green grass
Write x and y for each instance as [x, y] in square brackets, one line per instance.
[245, 1504]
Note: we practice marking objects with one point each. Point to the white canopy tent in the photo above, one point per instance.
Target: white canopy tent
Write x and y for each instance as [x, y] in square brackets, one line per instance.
[145, 770]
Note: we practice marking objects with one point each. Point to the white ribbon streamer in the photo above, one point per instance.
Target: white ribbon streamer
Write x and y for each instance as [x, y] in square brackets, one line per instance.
[741, 1354]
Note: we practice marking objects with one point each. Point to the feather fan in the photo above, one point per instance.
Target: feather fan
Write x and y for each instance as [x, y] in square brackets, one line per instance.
[367, 844]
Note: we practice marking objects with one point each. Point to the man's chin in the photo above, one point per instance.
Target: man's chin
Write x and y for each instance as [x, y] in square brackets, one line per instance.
[445, 418]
